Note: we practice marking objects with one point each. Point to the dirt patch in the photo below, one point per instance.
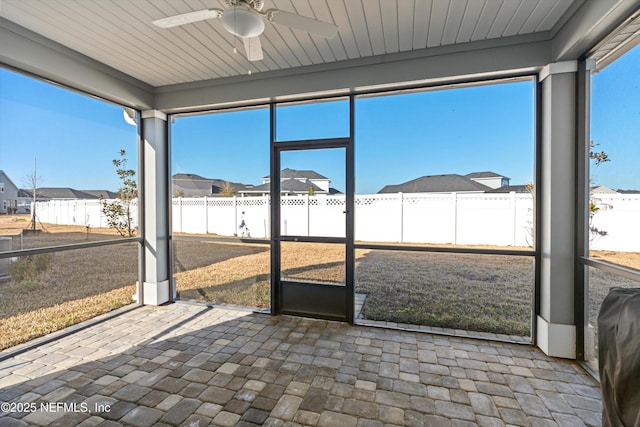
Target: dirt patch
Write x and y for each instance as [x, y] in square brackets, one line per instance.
[18, 227]
[627, 259]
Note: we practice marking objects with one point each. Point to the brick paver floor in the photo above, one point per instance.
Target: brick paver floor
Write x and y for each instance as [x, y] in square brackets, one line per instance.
[191, 365]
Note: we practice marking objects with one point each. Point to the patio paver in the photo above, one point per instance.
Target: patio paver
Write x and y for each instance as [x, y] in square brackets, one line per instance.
[186, 364]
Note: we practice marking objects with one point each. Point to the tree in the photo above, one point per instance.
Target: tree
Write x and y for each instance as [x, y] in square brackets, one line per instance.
[119, 212]
[227, 190]
[31, 181]
[598, 158]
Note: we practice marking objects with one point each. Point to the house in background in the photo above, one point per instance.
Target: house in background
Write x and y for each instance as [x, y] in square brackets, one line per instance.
[105, 194]
[475, 182]
[295, 182]
[523, 188]
[58, 193]
[192, 185]
[66, 193]
[601, 189]
[8, 195]
[490, 179]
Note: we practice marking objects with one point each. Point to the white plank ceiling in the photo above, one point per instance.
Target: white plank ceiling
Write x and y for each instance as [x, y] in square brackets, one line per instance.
[119, 33]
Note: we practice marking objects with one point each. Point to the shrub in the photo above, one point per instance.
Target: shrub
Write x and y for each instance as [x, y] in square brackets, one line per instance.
[30, 266]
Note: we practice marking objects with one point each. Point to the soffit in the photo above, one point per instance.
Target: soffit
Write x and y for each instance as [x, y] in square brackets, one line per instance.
[119, 33]
[618, 43]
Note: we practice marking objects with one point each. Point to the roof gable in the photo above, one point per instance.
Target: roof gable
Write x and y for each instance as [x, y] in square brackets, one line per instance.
[7, 179]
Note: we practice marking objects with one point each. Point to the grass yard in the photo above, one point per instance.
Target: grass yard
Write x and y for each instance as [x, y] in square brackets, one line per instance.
[75, 286]
[473, 292]
[241, 274]
[435, 289]
[485, 293]
[222, 272]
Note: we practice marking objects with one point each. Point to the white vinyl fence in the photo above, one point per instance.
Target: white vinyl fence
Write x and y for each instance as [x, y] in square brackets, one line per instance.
[501, 219]
[87, 213]
[474, 219]
[618, 217]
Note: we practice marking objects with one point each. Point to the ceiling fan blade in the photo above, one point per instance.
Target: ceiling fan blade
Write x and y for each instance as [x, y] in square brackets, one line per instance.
[253, 48]
[299, 22]
[187, 18]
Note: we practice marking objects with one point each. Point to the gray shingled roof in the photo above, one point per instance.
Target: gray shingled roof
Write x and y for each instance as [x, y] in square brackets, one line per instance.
[487, 174]
[448, 183]
[294, 173]
[59, 193]
[104, 193]
[189, 176]
[193, 185]
[510, 188]
[286, 186]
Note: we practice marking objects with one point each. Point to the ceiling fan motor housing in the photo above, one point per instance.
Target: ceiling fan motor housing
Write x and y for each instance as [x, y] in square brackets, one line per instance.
[253, 4]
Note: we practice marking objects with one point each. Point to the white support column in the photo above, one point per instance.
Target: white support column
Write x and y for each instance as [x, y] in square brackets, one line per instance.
[157, 289]
[556, 329]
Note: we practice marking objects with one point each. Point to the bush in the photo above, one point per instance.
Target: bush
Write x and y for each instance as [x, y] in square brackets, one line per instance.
[29, 267]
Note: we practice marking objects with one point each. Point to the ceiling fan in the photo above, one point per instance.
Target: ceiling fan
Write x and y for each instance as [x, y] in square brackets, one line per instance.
[245, 19]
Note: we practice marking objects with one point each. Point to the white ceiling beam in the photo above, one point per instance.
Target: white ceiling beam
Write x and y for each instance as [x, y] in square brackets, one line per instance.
[591, 23]
[486, 59]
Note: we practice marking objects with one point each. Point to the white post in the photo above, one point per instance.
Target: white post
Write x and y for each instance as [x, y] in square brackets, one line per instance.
[267, 221]
[401, 201]
[156, 286]
[514, 210]
[306, 201]
[556, 330]
[454, 197]
[206, 215]
[235, 216]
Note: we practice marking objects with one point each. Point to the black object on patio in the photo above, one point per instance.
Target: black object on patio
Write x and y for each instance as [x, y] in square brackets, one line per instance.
[619, 357]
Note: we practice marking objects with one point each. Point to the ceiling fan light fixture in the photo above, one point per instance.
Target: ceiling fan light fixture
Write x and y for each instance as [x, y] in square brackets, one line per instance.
[242, 22]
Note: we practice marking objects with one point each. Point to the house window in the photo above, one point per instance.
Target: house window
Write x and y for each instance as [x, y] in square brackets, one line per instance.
[1, 187]
[4, 205]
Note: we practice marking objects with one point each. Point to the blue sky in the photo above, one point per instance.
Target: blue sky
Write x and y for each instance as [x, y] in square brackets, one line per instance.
[73, 137]
[398, 137]
[615, 122]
